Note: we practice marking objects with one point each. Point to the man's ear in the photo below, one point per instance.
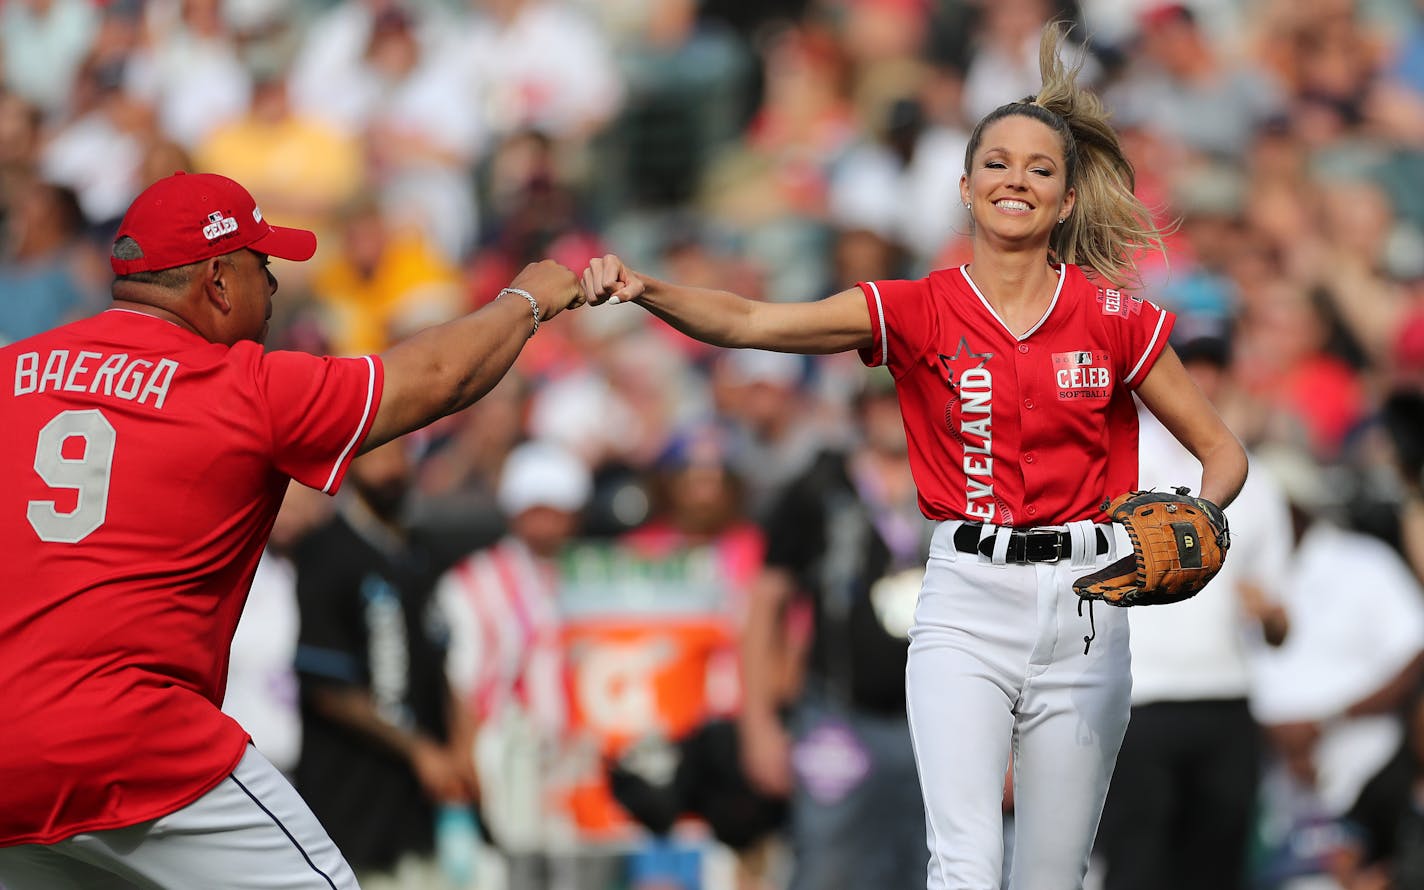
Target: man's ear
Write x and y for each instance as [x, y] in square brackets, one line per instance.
[214, 275]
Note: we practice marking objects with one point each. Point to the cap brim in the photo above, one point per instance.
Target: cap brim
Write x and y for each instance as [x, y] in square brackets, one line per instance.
[287, 244]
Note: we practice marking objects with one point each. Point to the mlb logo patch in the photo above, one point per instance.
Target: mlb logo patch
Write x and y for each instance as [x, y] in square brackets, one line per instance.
[219, 226]
[1115, 302]
[1082, 374]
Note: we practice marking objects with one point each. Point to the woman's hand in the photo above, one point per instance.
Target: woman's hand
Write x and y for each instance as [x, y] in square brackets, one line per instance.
[608, 280]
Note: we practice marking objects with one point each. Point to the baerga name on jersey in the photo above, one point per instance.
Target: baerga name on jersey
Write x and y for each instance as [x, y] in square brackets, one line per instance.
[116, 375]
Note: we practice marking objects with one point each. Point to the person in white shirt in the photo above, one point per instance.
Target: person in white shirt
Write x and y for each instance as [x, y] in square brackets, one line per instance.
[505, 661]
[1179, 810]
[1331, 696]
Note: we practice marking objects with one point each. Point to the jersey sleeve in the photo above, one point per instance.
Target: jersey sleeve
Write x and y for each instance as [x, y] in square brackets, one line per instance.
[320, 410]
[901, 323]
[1141, 328]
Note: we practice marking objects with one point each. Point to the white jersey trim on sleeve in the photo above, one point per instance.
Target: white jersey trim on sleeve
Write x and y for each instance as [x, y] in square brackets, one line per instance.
[880, 311]
[355, 437]
[1156, 333]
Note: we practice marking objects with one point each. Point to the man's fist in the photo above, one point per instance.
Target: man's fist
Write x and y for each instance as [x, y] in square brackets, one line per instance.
[553, 287]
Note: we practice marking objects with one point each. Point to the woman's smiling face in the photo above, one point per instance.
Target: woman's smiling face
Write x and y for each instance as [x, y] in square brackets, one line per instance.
[1017, 181]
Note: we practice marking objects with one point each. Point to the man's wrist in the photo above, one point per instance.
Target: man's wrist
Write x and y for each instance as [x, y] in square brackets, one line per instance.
[533, 304]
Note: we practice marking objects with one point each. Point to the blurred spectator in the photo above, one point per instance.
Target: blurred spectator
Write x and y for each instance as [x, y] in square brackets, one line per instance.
[1403, 419]
[687, 96]
[1278, 204]
[903, 186]
[1209, 201]
[616, 408]
[98, 153]
[381, 282]
[1331, 696]
[1181, 87]
[848, 536]
[1313, 397]
[1407, 62]
[761, 396]
[1115, 23]
[48, 273]
[409, 97]
[1408, 353]
[1388, 853]
[651, 619]
[19, 148]
[531, 211]
[454, 501]
[163, 158]
[773, 188]
[1004, 67]
[542, 65]
[863, 255]
[189, 69]
[42, 43]
[310, 168]
[337, 73]
[1357, 225]
[376, 758]
[506, 659]
[1328, 60]
[1181, 806]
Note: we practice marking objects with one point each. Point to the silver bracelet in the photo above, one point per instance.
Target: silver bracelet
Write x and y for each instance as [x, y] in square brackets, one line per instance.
[533, 304]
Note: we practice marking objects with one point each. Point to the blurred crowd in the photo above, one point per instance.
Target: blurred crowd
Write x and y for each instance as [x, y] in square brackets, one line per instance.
[576, 556]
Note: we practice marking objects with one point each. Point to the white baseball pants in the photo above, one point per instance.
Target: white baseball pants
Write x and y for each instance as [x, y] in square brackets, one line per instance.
[251, 832]
[996, 661]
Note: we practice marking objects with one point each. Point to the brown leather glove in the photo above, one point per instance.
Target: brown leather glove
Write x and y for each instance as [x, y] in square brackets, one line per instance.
[1178, 545]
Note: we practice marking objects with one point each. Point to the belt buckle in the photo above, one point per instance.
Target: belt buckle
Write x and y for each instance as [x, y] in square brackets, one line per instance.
[1054, 551]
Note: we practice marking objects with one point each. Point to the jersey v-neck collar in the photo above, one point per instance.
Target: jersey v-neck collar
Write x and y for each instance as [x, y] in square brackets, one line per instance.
[1047, 313]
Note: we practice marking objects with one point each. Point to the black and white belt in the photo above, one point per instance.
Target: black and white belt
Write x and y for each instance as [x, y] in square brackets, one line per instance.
[1026, 545]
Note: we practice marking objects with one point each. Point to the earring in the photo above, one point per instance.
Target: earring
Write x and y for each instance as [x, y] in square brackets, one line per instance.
[1062, 219]
[968, 206]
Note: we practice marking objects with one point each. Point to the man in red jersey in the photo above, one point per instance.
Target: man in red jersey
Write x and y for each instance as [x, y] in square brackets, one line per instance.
[146, 452]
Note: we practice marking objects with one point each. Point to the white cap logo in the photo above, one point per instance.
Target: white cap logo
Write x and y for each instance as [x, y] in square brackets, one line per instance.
[218, 226]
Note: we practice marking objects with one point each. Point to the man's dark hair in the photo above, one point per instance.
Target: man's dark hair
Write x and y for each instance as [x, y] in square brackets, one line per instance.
[126, 248]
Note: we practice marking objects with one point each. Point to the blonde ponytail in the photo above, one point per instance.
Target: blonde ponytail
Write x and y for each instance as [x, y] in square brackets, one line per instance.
[1109, 225]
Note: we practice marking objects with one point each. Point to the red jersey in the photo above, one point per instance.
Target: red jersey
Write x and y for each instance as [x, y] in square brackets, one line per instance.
[1024, 430]
[141, 469]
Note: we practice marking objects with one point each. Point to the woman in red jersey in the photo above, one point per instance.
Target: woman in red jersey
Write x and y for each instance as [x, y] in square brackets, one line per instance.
[1015, 376]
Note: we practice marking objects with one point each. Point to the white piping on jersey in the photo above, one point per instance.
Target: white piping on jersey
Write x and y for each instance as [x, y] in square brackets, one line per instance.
[1062, 276]
[1156, 332]
[880, 310]
[365, 412]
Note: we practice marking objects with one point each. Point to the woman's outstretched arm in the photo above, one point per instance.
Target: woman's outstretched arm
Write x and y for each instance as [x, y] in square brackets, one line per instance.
[722, 318]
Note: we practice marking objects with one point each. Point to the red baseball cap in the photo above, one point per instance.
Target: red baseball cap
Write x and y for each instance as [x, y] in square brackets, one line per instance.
[189, 217]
